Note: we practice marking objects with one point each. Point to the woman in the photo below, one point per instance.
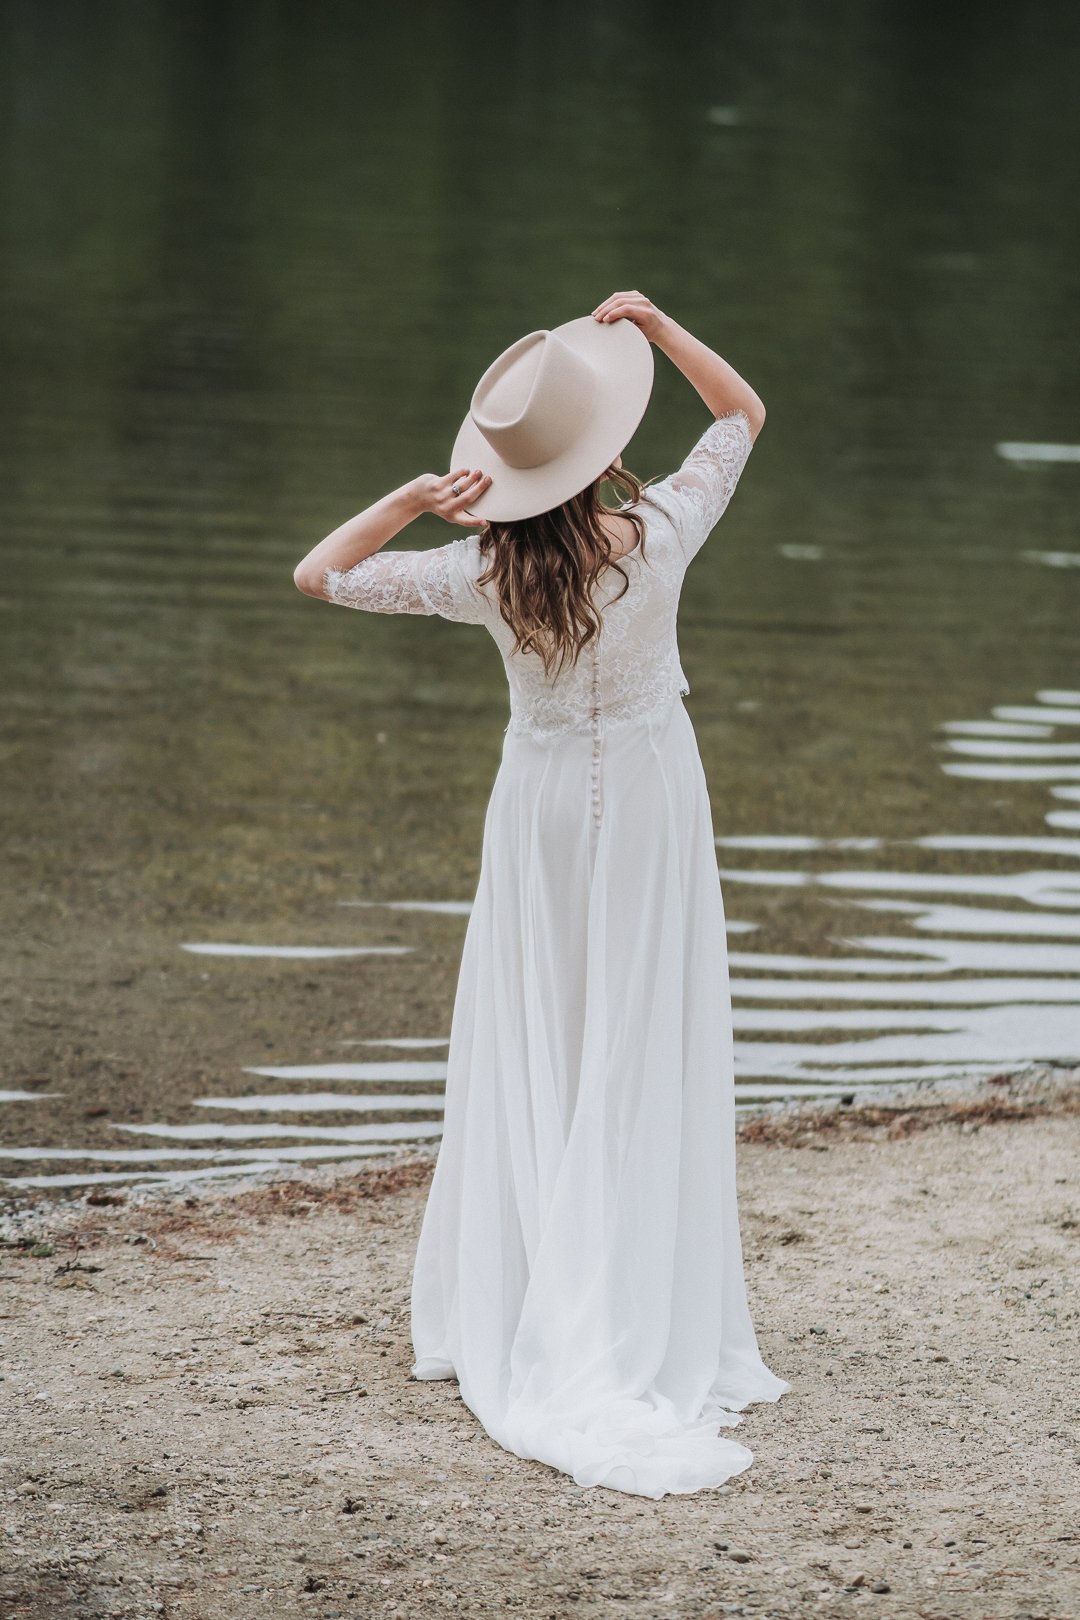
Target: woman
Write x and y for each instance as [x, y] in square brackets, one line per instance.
[579, 1270]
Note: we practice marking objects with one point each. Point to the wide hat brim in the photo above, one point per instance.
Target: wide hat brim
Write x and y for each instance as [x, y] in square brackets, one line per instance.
[622, 360]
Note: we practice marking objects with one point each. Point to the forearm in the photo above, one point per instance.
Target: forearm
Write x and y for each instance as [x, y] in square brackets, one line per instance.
[360, 537]
[719, 384]
[447, 497]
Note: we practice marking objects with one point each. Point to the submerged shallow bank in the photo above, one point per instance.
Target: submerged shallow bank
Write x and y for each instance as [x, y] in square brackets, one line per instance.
[211, 1412]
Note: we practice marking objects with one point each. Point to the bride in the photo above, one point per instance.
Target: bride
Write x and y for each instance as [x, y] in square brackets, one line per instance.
[579, 1270]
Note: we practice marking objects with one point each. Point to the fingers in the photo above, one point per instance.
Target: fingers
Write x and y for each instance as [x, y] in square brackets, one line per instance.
[620, 304]
[470, 485]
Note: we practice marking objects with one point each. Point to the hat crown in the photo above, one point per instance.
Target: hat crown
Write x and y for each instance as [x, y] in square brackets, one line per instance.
[535, 400]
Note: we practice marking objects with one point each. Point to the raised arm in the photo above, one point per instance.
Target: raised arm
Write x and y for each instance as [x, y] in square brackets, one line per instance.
[364, 534]
[719, 384]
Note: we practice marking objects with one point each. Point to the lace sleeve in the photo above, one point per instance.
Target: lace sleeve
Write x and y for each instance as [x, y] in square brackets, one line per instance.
[441, 581]
[695, 497]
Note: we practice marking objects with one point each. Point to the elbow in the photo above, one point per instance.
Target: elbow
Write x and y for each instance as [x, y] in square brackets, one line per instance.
[756, 416]
[306, 579]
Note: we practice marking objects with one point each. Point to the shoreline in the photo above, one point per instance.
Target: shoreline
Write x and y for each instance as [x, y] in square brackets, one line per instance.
[1039, 1090]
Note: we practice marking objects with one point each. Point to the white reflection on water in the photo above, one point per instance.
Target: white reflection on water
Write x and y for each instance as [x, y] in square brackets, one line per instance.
[995, 1035]
[995, 748]
[1038, 888]
[354, 1071]
[448, 908]
[411, 1130]
[1053, 559]
[310, 1102]
[1015, 773]
[933, 956]
[755, 1059]
[975, 920]
[253, 1162]
[996, 728]
[299, 952]
[1029, 454]
[411, 1042]
[1046, 715]
[967, 992]
[1039, 845]
[1031, 1032]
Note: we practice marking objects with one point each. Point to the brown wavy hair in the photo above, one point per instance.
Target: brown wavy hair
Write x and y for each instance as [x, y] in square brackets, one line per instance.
[545, 569]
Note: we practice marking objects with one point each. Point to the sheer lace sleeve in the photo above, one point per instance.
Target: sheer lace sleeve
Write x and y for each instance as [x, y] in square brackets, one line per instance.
[695, 497]
[441, 581]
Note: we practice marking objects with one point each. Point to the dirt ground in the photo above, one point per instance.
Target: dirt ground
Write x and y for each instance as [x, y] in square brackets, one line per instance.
[209, 1413]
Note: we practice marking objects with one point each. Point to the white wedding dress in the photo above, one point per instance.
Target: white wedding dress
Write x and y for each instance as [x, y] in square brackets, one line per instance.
[579, 1270]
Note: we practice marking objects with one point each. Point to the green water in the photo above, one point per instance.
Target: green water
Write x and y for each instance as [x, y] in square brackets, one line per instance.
[253, 260]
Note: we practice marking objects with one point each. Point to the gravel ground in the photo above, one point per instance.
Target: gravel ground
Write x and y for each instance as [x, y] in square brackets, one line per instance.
[208, 1409]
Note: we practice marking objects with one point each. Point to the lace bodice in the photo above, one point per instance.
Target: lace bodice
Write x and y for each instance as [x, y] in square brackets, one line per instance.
[632, 668]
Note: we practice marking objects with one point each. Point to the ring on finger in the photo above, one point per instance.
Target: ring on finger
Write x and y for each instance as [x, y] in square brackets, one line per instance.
[455, 489]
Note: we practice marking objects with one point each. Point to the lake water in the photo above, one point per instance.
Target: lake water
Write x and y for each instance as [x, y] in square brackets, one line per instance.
[254, 260]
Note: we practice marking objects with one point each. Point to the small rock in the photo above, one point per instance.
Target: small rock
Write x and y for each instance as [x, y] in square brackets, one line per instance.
[738, 1557]
[880, 1586]
[726, 1490]
[858, 1580]
[27, 1488]
[864, 1507]
[440, 1538]
[42, 1251]
[247, 1341]
[819, 1331]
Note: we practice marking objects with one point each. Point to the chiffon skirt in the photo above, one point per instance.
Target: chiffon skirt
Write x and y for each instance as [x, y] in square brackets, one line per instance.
[580, 1270]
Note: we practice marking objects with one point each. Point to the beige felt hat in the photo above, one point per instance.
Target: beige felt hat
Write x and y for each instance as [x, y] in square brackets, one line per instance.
[552, 413]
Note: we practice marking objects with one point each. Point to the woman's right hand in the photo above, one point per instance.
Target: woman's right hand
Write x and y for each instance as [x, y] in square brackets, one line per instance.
[633, 306]
[435, 494]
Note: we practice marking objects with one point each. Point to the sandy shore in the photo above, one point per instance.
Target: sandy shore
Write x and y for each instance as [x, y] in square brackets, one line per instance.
[209, 1411]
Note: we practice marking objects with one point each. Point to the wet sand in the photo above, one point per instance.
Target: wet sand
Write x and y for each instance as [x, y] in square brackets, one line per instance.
[211, 1413]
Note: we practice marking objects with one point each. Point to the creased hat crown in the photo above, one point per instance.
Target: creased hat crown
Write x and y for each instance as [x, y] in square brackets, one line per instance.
[535, 400]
